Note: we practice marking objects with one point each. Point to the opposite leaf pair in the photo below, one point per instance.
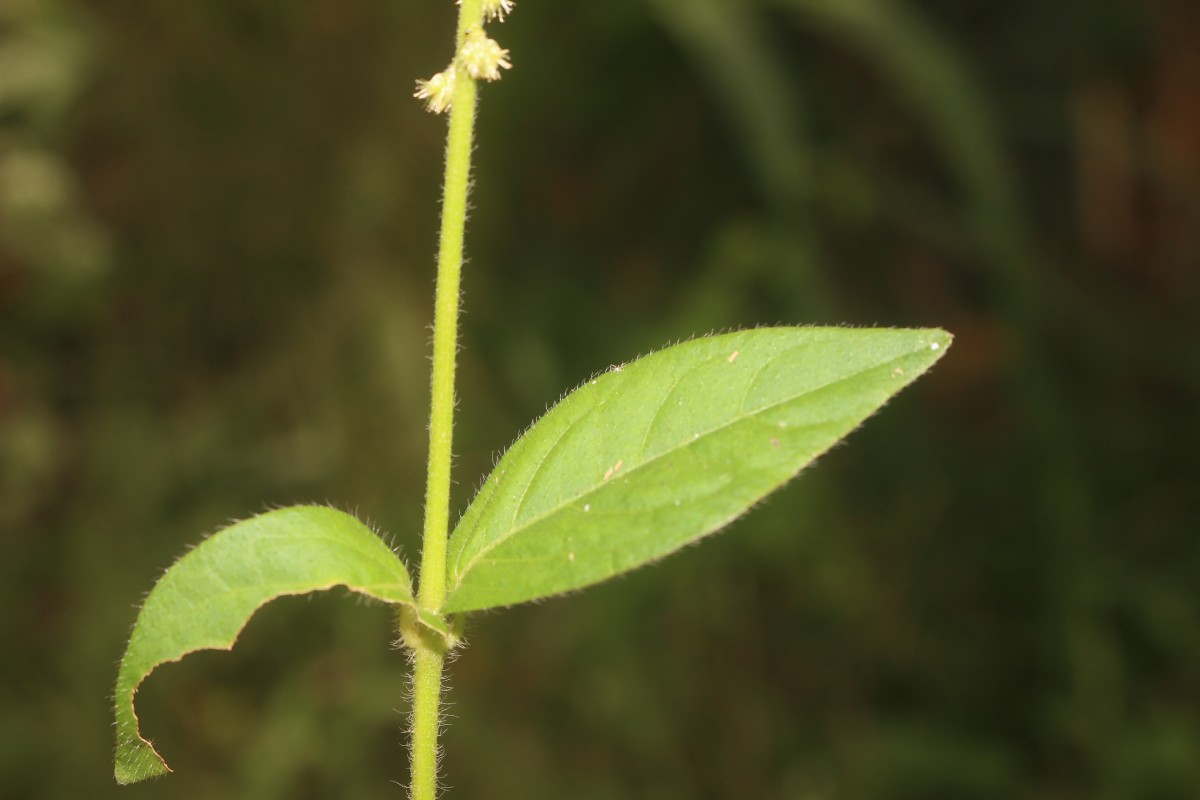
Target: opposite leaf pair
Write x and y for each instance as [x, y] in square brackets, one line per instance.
[633, 465]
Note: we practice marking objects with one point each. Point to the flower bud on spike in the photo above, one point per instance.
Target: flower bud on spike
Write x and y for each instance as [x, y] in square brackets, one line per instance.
[496, 9]
[438, 91]
[482, 57]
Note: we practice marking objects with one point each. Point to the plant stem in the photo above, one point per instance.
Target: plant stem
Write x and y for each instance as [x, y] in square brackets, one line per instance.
[428, 659]
[445, 324]
[427, 692]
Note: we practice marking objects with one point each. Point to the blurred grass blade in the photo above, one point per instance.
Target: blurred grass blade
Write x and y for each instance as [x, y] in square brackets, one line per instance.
[730, 45]
[955, 112]
[205, 599]
[648, 457]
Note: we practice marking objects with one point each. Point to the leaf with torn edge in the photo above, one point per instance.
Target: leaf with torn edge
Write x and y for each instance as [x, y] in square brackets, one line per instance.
[650, 456]
[205, 599]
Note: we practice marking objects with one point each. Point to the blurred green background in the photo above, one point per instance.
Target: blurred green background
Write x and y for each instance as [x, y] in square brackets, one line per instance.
[217, 228]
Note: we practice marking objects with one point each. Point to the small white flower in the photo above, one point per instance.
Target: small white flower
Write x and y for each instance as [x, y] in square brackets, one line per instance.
[438, 91]
[496, 9]
[482, 57]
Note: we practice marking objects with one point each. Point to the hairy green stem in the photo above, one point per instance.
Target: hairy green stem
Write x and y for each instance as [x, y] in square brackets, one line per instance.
[427, 695]
[428, 660]
[445, 326]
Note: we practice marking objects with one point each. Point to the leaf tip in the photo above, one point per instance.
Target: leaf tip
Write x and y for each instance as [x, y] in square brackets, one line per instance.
[137, 760]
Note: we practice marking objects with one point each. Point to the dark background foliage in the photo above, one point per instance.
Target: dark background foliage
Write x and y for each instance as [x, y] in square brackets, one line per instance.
[217, 226]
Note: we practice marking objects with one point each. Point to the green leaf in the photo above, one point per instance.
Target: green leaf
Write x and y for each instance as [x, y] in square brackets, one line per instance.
[650, 456]
[205, 599]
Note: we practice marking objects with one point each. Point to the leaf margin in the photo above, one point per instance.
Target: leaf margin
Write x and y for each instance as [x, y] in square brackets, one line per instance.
[135, 757]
